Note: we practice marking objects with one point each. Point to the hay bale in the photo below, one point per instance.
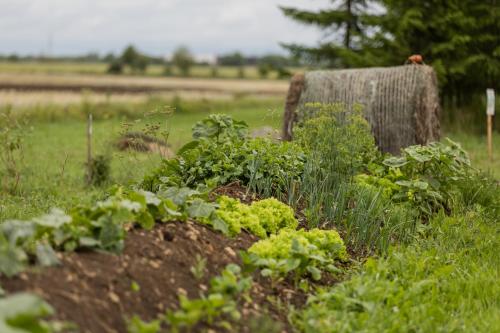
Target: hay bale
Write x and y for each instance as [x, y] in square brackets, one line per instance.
[400, 103]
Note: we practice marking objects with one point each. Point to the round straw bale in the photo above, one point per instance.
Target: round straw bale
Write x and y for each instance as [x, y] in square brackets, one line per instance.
[400, 103]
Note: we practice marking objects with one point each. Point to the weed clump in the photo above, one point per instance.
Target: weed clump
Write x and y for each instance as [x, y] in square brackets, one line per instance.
[99, 171]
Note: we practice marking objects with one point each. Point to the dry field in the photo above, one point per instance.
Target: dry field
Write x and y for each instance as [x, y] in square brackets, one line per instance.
[109, 83]
[59, 89]
[26, 98]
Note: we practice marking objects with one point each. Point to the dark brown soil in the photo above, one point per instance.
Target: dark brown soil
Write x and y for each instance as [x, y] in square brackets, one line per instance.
[235, 190]
[94, 290]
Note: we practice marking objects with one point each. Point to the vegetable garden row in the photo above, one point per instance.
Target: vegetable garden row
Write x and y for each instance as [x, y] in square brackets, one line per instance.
[327, 218]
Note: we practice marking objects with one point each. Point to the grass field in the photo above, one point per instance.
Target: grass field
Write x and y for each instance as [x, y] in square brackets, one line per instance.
[250, 72]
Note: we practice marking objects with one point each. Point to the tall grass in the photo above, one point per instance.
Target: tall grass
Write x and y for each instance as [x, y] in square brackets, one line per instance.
[445, 281]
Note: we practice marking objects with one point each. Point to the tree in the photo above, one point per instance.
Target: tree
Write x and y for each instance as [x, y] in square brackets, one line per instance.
[459, 38]
[135, 60]
[231, 59]
[129, 55]
[346, 24]
[183, 60]
[115, 67]
[264, 70]
[110, 57]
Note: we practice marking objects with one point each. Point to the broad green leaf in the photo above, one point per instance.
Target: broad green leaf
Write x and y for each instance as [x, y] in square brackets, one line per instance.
[131, 205]
[136, 325]
[421, 185]
[12, 260]
[15, 230]
[146, 220]
[111, 235]
[178, 195]
[151, 198]
[405, 183]
[123, 215]
[395, 162]
[315, 272]
[333, 269]
[292, 264]
[89, 242]
[219, 224]
[420, 156]
[21, 313]
[200, 208]
[266, 272]
[188, 146]
[55, 219]
[45, 255]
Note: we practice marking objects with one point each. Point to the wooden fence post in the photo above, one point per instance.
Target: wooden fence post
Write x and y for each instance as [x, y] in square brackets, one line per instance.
[89, 149]
[490, 112]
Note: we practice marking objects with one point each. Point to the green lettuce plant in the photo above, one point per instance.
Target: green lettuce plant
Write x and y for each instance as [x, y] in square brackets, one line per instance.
[303, 253]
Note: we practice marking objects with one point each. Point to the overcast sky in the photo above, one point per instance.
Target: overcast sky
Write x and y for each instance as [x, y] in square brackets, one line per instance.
[155, 26]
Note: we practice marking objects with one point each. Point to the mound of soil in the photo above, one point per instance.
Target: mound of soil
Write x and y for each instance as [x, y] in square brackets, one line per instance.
[98, 291]
[94, 289]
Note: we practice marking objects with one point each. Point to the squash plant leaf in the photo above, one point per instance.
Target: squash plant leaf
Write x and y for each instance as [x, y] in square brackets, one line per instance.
[22, 313]
[15, 231]
[146, 221]
[55, 219]
[188, 146]
[12, 260]
[200, 208]
[219, 224]
[45, 255]
[178, 195]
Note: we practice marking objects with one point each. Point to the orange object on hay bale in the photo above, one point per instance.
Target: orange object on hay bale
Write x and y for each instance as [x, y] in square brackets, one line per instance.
[400, 103]
[415, 59]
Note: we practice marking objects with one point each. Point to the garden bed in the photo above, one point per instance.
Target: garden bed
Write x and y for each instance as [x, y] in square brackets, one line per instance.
[98, 291]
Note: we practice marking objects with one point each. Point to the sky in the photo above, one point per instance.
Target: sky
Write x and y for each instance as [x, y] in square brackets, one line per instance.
[156, 27]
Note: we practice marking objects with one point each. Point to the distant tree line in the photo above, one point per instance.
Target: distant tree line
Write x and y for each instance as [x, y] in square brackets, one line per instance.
[89, 57]
[183, 60]
[136, 62]
[459, 38]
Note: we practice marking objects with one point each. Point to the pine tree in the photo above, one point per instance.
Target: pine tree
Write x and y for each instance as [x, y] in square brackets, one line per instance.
[346, 23]
[459, 38]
